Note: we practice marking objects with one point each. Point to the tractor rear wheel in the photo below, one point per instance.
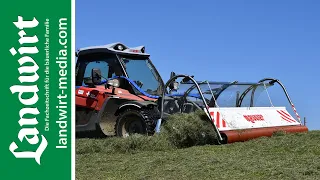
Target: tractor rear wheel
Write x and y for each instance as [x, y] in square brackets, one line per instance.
[133, 121]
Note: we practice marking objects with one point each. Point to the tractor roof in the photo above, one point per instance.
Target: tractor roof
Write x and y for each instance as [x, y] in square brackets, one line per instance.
[116, 48]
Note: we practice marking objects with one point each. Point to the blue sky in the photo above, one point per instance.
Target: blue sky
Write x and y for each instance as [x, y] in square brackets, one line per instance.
[218, 40]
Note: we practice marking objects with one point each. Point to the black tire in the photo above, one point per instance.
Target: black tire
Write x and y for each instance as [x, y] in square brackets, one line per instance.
[139, 121]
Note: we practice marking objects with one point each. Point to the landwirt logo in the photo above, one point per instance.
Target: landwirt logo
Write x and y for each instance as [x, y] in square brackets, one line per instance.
[28, 75]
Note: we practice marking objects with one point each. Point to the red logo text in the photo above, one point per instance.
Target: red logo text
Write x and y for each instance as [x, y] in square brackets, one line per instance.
[253, 118]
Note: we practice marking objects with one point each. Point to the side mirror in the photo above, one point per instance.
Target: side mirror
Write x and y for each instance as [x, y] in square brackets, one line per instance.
[96, 76]
[174, 86]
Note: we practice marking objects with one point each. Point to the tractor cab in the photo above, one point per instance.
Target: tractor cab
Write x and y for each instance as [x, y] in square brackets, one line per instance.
[117, 63]
[116, 90]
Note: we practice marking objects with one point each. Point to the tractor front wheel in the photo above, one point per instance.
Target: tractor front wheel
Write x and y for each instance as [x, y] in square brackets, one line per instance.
[132, 121]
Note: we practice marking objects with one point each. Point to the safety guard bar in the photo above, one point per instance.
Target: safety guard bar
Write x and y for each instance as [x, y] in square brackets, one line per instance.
[172, 79]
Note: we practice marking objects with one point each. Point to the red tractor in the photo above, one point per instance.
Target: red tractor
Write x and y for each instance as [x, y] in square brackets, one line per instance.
[117, 89]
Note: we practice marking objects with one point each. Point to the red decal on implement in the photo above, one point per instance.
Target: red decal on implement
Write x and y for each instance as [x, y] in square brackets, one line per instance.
[285, 116]
[295, 111]
[288, 115]
[212, 115]
[218, 120]
[224, 123]
[253, 118]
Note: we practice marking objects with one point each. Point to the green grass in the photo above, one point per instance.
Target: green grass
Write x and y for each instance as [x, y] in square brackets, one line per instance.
[176, 155]
[293, 156]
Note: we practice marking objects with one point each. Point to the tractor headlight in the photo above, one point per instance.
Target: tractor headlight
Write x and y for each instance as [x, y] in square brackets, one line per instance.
[114, 82]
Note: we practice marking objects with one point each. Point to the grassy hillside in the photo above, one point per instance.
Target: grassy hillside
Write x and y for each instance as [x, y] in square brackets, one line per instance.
[292, 156]
[185, 150]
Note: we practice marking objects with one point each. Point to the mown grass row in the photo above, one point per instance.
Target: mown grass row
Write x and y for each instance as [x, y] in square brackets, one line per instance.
[180, 131]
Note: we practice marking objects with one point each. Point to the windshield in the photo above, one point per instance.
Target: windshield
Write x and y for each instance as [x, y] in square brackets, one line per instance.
[143, 73]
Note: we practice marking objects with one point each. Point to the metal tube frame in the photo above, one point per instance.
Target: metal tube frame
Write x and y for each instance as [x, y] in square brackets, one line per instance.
[196, 85]
[253, 88]
[271, 82]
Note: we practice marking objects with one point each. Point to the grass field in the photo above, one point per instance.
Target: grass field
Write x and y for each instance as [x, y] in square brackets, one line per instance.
[290, 156]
